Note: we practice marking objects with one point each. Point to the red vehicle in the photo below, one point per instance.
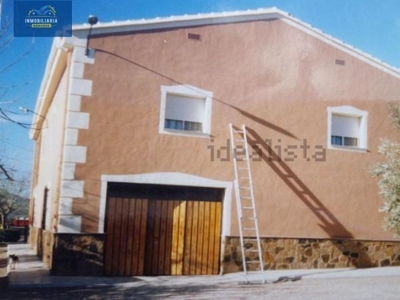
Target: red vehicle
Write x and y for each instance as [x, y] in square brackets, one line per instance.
[20, 222]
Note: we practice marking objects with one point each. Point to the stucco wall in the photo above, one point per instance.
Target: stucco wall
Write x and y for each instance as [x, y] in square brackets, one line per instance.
[48, 157]
[268, 75]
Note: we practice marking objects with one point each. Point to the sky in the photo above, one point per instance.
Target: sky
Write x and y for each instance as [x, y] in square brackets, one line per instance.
[372, 26]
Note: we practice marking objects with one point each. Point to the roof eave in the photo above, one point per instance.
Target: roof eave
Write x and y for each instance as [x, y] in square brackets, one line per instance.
[179, 21]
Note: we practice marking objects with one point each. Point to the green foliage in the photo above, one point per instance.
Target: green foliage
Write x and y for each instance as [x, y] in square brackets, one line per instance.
[388, 173]
[394, 109]
[10, 235]
[12, 202]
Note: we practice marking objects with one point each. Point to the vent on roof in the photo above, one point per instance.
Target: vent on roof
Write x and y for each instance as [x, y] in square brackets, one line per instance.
[340, 62]
[194, 36]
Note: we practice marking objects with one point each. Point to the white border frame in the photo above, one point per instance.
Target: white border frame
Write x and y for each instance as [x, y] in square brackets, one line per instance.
[187, 91]
[349, 111]
[170, 178]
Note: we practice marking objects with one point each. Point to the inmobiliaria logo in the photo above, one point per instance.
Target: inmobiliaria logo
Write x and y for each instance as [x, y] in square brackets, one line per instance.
[44, 17]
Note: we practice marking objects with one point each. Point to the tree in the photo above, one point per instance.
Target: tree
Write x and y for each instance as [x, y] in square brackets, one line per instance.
[388, 173]
[12, 199]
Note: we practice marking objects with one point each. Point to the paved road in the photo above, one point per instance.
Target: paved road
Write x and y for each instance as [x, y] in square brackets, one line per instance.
[382, 288]
[321, 284]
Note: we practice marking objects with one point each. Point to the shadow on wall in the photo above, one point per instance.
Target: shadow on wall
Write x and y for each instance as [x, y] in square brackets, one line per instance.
[244, 113]
[259, 120]
[329, 223]
[78, 254]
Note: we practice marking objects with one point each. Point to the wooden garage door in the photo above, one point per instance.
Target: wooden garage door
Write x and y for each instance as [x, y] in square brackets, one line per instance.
[163, 236]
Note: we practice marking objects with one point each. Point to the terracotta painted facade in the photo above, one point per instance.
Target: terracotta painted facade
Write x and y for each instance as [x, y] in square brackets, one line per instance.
[263, 69]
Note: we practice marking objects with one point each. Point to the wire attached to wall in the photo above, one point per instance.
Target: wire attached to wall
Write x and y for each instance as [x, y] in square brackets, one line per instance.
[4, 115]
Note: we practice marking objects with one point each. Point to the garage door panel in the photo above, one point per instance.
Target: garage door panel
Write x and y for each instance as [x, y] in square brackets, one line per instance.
[163, 234]
[158, 239]
[149, 238]
[217, 236]
[178, 237]
[117, 237]
[123, 235]
[141, 223]
[110, 229]
[200, 240]
[130, 237]
[188, 238]
[206, 238]
[168, 237]
[194, 238]
[211, 244]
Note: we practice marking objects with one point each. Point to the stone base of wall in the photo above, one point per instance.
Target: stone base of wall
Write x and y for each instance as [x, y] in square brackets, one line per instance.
[42, 242]
[47, 247]
[33, 237]
[285, 253]
[78, 254]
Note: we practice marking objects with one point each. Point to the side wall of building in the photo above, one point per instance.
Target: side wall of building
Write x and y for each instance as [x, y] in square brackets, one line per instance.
[45, 190]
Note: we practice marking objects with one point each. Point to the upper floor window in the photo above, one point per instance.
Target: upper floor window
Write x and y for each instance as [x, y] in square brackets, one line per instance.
[185, 110]
[347, 128]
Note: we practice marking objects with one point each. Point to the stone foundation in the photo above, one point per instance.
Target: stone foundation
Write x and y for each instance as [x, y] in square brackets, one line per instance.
[47, 246]
[78, 254]
[42, 242]
[282, 253]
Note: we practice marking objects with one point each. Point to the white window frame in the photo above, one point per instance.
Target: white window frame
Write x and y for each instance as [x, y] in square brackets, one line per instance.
[349, 111]
[191, 92]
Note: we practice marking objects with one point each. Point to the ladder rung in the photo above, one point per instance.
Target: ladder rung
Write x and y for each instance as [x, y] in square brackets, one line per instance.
[252, 250]
[245, 188]
[253, 262]
[248, 207]
[249, 218]
[249, 228]
[238, 131]
[246, 198]
[243, 168]
[239, 140]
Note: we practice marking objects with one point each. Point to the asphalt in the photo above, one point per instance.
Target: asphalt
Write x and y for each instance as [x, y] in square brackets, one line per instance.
[31, 272]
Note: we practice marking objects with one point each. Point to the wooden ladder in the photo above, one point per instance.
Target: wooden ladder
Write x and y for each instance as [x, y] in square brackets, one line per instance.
[246, 209]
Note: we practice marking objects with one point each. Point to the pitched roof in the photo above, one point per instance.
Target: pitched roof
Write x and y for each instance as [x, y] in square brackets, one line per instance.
[230, 17]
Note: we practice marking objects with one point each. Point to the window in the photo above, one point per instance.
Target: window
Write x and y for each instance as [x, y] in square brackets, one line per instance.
[347, 128]
[45, 208]
[185, 110]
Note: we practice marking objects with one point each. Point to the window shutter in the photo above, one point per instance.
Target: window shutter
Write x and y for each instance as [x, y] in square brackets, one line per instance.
[185, 108]
[345, 126]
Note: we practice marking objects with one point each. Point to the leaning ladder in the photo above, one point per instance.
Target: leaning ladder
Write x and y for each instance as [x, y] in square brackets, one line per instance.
[245, 203]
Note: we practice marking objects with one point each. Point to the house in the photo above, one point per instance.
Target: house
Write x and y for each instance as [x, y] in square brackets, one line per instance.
[134, 170]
